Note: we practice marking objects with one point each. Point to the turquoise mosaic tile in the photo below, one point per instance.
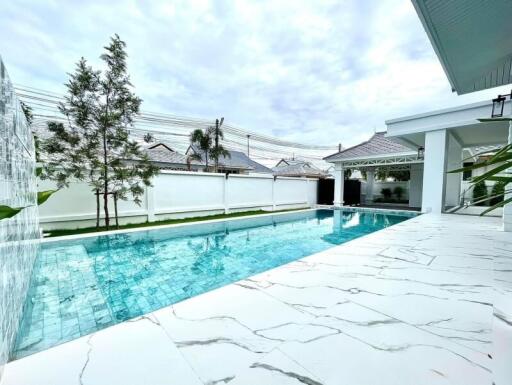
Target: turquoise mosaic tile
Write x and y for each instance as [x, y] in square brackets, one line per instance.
[84, 285]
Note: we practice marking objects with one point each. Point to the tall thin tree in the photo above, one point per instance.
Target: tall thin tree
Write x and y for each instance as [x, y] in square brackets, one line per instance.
[95, 146]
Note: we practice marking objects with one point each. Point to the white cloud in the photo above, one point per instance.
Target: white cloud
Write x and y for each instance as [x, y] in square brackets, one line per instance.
[315, 72]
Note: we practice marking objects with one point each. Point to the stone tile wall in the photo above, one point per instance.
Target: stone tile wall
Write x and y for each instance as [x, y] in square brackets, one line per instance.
[18, 235]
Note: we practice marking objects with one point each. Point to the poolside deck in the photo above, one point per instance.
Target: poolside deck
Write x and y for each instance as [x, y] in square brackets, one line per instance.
[410, 304]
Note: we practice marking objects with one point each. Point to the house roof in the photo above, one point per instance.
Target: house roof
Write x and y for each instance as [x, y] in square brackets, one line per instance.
[377, 145]
[299, 168]
[237, 159]
[471, 39]
[162, 153]
[288, 162]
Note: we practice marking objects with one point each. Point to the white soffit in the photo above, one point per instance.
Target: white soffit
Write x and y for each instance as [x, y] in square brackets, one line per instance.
[473, 40]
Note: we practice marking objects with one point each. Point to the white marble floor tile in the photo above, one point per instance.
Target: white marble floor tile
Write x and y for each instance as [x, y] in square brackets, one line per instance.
[426, 301]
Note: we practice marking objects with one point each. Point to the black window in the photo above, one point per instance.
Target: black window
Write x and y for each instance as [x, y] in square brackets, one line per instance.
[466, 175]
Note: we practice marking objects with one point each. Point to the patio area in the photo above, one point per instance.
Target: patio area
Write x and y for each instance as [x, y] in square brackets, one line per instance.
[421, 302]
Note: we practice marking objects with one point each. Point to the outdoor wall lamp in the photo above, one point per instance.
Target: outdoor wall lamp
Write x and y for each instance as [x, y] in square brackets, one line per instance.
[498, 104]
[421, 152]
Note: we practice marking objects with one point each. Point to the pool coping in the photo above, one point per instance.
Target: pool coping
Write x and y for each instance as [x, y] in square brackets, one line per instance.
[173, 225]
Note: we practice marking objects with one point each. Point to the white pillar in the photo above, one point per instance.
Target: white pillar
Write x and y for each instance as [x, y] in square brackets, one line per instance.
[225, 194]
[415, 184]
[453, 181]
[370, 178]
[274, 181]
[507, 209]
[339, 184]
[306, 191]
[434, 171]
[150, 203]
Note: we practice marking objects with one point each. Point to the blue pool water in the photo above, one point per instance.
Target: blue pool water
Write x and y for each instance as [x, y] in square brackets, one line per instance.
[84, 285]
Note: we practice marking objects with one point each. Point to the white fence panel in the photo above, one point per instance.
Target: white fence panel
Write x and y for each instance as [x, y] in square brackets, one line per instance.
[290, 191]
[245, 191]
[179, 194]
[176, 192]
[78, 202]
[312, 191]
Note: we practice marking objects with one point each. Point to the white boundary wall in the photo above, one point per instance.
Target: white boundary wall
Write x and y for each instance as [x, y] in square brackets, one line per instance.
[180, 194]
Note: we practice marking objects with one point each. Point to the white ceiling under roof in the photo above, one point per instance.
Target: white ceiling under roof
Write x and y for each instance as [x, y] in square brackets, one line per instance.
[461, 121]
[473, 40]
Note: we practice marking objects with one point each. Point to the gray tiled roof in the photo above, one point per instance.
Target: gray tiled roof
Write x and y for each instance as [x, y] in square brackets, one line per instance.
[162, 154]
[299, 168]
[238, 159]
[377, 145]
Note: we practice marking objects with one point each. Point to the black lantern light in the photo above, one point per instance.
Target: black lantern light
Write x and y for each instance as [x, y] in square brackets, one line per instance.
[497, 106]
[421, 152]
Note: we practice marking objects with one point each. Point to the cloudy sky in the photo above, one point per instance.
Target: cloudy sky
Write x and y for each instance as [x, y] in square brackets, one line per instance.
[317, 72]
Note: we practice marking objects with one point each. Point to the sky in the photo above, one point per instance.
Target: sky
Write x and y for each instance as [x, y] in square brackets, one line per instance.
[315, 72]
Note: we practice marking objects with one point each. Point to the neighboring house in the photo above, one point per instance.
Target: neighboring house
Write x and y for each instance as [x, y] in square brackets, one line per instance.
[298, 168]
[237, 163]
[164, 157]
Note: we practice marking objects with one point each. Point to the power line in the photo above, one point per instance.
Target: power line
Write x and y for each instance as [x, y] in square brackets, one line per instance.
[45, 108]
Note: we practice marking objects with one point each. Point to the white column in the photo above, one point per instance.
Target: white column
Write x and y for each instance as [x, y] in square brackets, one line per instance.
[150, 203]
[453, 181]
[274, 181]
[339, 184]
[507, 209]
[415, 184]
[225, 194]
[306, 191]
[434, 171]
[370, 178]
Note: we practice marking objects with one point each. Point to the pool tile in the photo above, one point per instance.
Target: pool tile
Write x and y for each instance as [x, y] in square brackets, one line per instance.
[84, 285]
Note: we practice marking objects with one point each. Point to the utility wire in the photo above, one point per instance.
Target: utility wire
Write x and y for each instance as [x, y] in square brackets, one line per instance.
[177, 129]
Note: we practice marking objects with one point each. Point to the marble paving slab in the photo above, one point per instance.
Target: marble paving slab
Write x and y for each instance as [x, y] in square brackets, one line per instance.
[427, 301]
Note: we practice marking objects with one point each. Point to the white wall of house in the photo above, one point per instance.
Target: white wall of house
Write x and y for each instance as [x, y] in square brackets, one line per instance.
[415, 185]
[379, 185]
[179, 194]
[507, 209]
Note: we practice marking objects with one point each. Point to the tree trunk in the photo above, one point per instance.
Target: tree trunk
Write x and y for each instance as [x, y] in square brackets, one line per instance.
[97, 209]
[105, 180]
[115, 210]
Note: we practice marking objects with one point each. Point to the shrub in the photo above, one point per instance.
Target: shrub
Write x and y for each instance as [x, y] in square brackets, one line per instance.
[398, 191]
[497, 189]
[480, 192]
[386, 192]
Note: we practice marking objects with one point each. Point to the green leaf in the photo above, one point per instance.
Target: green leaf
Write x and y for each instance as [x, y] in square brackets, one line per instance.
[39, 171]
[500, 204]
[504, 179]
[42, 196]
[8, 212]
[490, 173]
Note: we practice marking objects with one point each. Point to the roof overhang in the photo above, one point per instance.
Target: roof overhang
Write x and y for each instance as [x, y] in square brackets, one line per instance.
[461, 121]
[380, 160]
[472, 39]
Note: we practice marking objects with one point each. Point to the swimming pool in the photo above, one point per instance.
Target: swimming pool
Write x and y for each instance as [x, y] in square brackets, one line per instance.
[83, 285]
